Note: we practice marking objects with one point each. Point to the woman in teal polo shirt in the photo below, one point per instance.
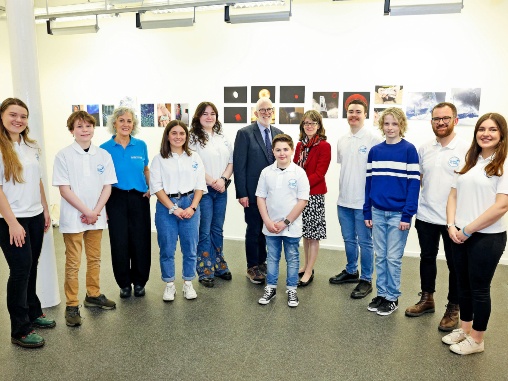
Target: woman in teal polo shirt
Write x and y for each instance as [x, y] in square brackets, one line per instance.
[128, 207]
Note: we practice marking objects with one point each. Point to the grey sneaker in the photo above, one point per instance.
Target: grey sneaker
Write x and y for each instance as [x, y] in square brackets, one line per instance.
[72, 316]
[99, 302]
[455, 337]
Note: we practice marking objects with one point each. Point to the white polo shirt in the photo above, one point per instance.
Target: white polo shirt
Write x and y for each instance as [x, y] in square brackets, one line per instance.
[24, 198]
[179, 173]
[282, 189]
[86, 173]
[437, 166]
[476, 193]
[352, 153]
[216, 154]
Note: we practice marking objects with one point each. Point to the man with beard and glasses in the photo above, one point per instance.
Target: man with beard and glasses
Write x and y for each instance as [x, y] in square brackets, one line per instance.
[352, 152]
[439, 159]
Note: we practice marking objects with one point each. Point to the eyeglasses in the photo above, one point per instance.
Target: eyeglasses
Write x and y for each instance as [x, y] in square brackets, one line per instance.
[445, 119]
[266, 110]
[313, 124]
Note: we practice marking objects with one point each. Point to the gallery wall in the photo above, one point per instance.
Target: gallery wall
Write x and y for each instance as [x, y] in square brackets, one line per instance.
[327, 46]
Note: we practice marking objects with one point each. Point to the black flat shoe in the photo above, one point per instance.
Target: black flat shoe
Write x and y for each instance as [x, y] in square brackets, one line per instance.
[125, 292]
[303, 272]
[225, 276]
[139, 291]
[304, 284]
[207, 282]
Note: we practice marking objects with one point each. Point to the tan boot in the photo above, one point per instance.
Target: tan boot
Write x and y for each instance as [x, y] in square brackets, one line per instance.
[425, 305]
[450, 319]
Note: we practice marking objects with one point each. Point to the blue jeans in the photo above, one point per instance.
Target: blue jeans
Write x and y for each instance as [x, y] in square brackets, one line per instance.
[389, 244]
[274, 246]
[357, 241]
[210, 259]
[169, 229]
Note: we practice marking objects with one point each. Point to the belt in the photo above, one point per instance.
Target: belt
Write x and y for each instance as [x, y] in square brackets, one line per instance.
[178, 195]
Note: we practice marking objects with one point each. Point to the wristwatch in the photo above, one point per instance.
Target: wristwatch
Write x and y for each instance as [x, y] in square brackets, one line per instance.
[448, 226]
[173, 208]
[286, 221]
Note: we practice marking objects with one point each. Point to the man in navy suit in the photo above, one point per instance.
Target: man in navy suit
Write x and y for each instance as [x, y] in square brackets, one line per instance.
[253, 152]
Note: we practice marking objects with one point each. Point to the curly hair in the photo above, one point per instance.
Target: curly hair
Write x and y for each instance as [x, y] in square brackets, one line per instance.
[197, 132]
[118, 112]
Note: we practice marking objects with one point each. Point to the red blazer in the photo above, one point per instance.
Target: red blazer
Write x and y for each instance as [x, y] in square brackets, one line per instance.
[316, 165]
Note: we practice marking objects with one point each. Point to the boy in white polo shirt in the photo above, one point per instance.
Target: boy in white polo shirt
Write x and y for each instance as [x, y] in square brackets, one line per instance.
[84, 174]
[282, 194]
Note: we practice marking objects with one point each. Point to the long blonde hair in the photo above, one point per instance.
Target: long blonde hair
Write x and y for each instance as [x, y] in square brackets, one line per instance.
[13, 169]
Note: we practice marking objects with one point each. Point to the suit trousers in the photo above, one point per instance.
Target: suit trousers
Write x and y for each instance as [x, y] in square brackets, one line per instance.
[255, 242]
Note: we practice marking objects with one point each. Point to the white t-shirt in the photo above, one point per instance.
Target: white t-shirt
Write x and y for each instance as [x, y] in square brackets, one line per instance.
[352, 153]
[179, 173]
[86, 173]
[216, 154]
[476, 193]
[282, 189]
[24, 198]
[437, 166]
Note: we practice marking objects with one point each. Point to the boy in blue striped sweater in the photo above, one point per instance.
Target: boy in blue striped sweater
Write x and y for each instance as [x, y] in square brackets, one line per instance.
[391, 200]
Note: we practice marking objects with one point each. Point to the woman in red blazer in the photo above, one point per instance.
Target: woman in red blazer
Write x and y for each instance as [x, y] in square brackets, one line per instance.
[313, 154]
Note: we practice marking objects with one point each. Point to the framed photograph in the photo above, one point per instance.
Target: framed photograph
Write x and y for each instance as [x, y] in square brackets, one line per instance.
[292, 94]
[235, 115]
[93, 110]
[257, 92]
[388, 94]
[163, 114]
[147, 115]
[236, 94]
[326, 103]
[107, 111]
[419, 105]
[467, 101]
[290, 115]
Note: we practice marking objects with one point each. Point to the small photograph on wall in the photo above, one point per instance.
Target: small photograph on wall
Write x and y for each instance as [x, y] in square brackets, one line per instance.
[292, 94]
[147, 115]
[78, 108]
[107, 111]
[163, 114]
[388, 94]
[377, 113]
[257, 92]
[326, 103]
[350, 96]
[235, 94]
[290, 115]
[235, 115]
[253, 116]
[93, 110]
[128, 101]
[419, 105]
[182, 112]
[467, 101]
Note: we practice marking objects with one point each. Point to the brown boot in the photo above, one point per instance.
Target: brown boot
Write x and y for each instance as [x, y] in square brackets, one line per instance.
[425, 305]
[450, 319]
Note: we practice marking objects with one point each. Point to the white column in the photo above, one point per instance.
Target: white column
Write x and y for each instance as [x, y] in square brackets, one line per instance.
[25, 81]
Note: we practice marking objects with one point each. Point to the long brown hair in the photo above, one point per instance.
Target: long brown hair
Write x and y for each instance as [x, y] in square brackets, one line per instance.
[197, 131]
[166, 146]
[495, 167]
[13, 169]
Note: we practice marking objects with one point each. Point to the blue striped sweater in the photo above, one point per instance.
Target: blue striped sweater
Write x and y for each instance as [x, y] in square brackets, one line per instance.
[393, 180]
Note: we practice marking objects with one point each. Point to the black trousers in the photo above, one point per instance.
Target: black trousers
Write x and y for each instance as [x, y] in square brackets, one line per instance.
[22, 301]
[129, 236]
[255, 242]
[428, 237]
[475, 262]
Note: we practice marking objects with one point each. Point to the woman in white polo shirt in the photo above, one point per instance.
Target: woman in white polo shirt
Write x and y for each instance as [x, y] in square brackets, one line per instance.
[24, 219]
[177, 178]
[209, 141]
[477, 202]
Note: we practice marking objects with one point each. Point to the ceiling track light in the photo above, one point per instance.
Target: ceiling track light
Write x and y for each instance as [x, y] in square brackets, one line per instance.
[422, 9]
[256, 17]
[72, 29]
[171, 23]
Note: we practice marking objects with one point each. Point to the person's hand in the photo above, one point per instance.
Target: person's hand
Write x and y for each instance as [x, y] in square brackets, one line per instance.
[280, 225]
[17, 234]
[188, 212]
[368, 223]
[147, 194]
[90, 217]
[244, 201]
[179, 213]
[219, 185]
[456, 235]
[404, 225]
[47, 220]
[272, 227]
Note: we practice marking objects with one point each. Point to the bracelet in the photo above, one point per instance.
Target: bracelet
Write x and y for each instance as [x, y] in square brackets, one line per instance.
[225, 180]
[193, 208]
[173, 208]
[464, 232]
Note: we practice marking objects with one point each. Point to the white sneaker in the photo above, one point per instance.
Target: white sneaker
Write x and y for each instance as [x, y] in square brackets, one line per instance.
[467, 346]
[188, 291]
[292, 298]
[456, 336]
[169, 292]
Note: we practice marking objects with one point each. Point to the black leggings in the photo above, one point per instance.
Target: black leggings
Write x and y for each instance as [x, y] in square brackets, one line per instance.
[475, 263]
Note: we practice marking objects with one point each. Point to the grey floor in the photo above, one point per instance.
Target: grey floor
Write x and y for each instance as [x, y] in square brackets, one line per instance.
[224, 334]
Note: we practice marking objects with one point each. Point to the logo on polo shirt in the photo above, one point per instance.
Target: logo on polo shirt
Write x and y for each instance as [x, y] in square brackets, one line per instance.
[453, 161]
[195, 165]
[37, 156]
[362, 149]
[137, 157]
[292, 183]
[100, 168]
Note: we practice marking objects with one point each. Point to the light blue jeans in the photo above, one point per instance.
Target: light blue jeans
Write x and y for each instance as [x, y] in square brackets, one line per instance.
[389, 244]
[357, 241]
[274, 246]
[169, 229]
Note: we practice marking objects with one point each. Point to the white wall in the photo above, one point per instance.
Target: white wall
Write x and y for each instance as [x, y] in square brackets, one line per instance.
[327, 46]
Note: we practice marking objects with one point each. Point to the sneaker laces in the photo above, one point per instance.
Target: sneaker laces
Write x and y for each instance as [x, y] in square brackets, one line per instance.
[292, 295]
[268, 292]
[73, 311]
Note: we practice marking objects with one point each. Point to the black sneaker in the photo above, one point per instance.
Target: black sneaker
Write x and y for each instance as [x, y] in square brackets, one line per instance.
[362, 289]
[268, 295]
[292, 298]
[344, 277]
[387, 307]
[375, 303]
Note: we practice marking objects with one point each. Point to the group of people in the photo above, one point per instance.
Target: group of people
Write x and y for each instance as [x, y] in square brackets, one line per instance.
[457, 193]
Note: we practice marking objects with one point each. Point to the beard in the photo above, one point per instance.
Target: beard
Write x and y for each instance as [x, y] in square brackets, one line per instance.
[443, 133]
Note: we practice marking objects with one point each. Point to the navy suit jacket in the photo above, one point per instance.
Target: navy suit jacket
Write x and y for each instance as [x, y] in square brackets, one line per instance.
[249, 159]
